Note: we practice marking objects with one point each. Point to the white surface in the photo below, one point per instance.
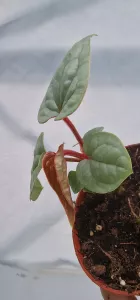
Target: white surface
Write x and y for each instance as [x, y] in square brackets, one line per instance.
[34, 36]
[23, 285]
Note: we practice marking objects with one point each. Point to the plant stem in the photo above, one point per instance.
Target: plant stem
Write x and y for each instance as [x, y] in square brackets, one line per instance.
[106, 253]
[130, 206]
[75, 132]
[72, 159]
[76, 154]
[131, 243]
[133, 213]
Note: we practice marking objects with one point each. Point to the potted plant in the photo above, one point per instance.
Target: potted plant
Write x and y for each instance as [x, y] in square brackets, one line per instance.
[105, 219]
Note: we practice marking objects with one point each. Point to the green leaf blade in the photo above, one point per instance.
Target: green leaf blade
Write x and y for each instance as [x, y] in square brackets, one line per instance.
[75, 184]
[69, 84]
[109, 164]
[88, 136]
[35, 185]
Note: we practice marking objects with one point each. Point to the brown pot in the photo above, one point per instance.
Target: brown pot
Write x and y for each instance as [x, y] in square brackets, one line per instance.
[76, 243]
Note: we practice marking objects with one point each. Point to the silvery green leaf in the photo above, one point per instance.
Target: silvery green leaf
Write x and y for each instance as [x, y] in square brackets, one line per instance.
[35, 185]
[109, 163]
[69, 84]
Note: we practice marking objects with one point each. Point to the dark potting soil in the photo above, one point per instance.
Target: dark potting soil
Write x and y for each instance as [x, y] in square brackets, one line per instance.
[109, 232]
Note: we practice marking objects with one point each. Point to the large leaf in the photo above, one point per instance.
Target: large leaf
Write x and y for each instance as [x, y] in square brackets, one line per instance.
[61, 172]
[50, 171]
[75, 184]
[69, 84]
[108, 166]
[35, 185]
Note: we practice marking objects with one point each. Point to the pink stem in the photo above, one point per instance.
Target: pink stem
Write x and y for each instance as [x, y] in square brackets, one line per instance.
[75, 132]
[76, 154]
[71, 159]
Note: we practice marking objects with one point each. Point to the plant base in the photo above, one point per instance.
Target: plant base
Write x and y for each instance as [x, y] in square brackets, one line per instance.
[107, 233]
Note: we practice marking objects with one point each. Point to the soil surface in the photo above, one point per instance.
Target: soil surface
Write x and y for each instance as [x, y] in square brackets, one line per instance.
[109, 232]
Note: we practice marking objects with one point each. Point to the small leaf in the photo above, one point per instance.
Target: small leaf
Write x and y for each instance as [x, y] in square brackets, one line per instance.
[35, 185]
[50, 172]
[74, 183]
[69, 84]
[108, 166]
[61, 172]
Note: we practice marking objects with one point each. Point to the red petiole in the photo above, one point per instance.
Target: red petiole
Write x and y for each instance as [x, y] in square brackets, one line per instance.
[72, 159]
[76, 154]
[75, 132]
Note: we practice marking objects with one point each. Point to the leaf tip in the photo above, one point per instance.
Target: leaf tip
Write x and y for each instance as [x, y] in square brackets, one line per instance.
[58, 118]
[31, 199]
[39, 118]
[94, 34]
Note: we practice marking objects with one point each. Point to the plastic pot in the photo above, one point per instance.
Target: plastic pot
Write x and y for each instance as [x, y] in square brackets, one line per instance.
[76, 242]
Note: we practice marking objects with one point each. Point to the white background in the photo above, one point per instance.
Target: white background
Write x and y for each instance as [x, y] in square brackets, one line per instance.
[37, 259]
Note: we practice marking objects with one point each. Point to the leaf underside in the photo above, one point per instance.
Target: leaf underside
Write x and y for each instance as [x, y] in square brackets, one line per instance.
[61, 172]
[35, 185]
[50, 172]
[69, 84]
[109, 163]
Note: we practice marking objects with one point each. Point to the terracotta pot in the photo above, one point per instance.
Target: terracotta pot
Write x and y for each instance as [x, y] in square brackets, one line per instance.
[76, 242]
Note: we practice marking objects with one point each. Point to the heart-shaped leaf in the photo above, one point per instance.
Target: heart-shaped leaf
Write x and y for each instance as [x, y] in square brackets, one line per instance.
[108, 166]
[75, 184]
[35, 185]
[69, 84]
[50, 171]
